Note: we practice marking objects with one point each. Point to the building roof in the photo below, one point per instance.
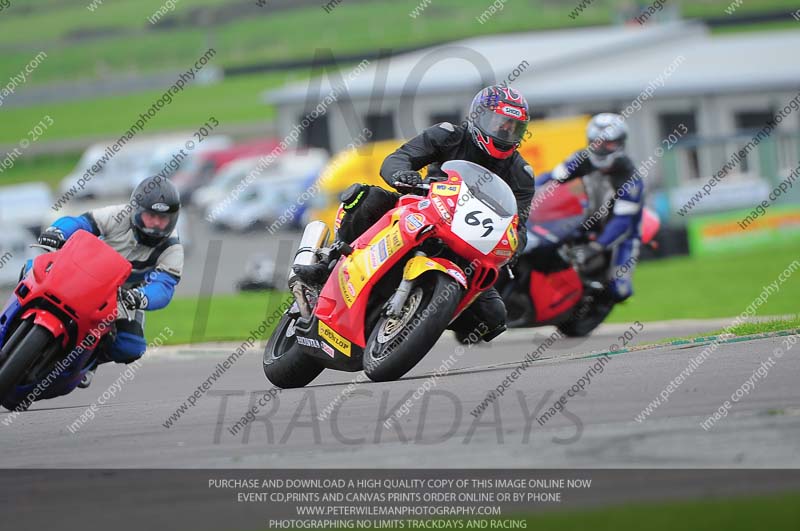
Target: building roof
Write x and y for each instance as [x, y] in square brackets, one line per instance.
[709, 65]
[472, 63]
[574, 65]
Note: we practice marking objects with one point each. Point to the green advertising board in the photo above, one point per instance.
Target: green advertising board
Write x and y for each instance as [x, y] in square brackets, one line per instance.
[735, 231]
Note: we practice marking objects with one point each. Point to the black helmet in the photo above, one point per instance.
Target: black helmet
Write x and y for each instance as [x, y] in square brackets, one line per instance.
[156, 206]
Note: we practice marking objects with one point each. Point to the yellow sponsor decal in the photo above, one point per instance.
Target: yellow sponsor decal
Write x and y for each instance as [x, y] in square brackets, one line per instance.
[446, 189]
[348, 289]
[337, 223]
[511, 234]
[394, 240]
[358, 268]
[329, 335]
[418, 265]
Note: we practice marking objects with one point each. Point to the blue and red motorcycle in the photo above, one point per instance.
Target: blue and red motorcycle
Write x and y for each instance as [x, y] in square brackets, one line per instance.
[58, 315]
[551, 286]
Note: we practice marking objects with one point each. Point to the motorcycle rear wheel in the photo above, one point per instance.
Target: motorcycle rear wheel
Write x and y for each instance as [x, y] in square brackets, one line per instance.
[396, 345]
[285, 365]
[584, 320]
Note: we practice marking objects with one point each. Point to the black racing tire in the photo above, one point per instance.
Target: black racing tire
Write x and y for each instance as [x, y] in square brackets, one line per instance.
[23, 355]
[584, 325]
[285, 365]
[395, 346]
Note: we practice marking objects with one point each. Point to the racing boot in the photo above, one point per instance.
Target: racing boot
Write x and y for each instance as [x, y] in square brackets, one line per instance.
[101, 356]
[317, 274]
[314, 274]
[86, 380]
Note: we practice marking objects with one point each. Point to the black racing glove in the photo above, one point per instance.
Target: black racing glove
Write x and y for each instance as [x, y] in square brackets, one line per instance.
[52, 237]
[133, 299]
[588, 256]
[410, 178]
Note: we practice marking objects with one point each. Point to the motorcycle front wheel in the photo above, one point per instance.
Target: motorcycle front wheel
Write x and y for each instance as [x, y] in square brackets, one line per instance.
[397, 344]
[24, 352]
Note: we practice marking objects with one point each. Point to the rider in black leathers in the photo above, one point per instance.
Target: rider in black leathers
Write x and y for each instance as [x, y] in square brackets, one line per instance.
[496, 125]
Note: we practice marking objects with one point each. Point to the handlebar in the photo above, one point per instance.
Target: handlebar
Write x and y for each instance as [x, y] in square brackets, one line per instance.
[421, 186]
[128, 314]
[45, 248]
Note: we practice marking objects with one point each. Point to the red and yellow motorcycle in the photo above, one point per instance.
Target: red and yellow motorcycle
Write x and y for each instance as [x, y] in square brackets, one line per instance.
[395, 289]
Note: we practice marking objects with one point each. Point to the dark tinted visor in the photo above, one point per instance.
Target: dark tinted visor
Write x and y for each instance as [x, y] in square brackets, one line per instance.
[503, 127]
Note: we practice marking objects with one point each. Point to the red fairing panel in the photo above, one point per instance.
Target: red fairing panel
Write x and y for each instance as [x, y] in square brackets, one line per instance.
[650, 225]
[554, 293]
[84, 276]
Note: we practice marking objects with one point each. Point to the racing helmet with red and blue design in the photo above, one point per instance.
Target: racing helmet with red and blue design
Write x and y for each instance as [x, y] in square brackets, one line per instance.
[498, 119]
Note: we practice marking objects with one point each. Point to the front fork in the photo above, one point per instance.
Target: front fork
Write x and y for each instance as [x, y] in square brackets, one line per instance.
[394, 306]
[420, 263]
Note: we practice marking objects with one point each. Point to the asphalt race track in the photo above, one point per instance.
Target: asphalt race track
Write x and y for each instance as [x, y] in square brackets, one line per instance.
[596, 428]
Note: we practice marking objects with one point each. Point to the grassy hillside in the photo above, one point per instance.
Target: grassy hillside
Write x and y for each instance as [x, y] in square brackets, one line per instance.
[117, 37]
[234, 100]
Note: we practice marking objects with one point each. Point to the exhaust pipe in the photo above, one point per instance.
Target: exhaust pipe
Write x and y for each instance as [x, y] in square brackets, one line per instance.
[315, 236]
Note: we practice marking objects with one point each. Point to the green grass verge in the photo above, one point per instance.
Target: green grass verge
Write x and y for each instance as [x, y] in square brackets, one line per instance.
[773, 512]
[674, 288]
[773, 325]
[234, 100]
[128, 43]
[745, 329]
[716, 286]
[220, 318]
[790, 24]
[776, 513]
[46, 168]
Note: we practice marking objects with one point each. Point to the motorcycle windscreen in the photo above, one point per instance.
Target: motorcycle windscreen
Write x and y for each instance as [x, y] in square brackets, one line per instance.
[485, 206]
[558, 209]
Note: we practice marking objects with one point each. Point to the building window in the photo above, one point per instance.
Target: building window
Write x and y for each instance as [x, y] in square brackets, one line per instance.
[752, 120]
[381, 125]
[453, 117]
[317, 134]
[668, 123]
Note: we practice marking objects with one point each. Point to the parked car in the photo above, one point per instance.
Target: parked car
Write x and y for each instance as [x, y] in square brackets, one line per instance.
[165, 153]
[226, 179]
[114, 175]
[25, 205]
[295, 162]
[259, 274]
[261, 204]
[203, 167]
[14, 251]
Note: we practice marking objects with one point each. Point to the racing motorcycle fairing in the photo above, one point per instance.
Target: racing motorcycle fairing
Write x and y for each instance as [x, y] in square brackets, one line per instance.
[474, 217]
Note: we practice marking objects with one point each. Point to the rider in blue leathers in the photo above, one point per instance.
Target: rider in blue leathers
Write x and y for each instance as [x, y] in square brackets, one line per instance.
[619, 228]
[144, 231]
